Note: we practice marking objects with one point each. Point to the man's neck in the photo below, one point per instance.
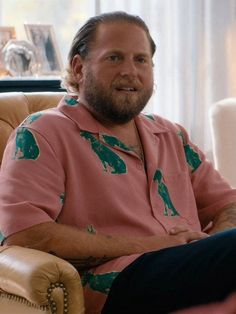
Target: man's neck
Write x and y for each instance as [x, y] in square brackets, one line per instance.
[126, 132]
[129, 135]
[122, 130]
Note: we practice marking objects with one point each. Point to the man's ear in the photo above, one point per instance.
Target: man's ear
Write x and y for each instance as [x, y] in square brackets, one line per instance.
[77, 67]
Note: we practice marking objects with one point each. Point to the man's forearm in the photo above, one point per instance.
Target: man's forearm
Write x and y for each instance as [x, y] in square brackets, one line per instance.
[86, 250]
[226, 219]
[83, 249]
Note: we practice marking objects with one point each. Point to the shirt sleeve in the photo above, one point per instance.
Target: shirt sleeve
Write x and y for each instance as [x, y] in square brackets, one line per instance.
[32, 182]
[212, 192]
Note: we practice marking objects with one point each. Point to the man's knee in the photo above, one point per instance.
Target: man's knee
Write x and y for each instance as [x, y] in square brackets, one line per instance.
[226, 237]
[224, 243]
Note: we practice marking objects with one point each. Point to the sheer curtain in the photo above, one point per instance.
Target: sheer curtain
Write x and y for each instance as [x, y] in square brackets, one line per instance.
[195, 62]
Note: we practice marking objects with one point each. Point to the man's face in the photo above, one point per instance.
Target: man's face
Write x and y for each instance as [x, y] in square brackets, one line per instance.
[117, 75]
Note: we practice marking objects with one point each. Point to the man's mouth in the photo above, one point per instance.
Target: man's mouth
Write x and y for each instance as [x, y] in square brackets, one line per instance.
[127, 89]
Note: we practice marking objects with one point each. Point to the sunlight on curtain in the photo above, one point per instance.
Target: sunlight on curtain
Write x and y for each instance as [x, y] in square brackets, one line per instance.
[195, 62]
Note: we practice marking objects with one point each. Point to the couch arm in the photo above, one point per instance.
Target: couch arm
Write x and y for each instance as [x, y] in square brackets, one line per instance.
[38, 277]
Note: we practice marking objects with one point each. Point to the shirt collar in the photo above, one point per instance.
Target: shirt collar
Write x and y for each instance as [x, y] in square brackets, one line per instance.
[151, 123]
[70, 107]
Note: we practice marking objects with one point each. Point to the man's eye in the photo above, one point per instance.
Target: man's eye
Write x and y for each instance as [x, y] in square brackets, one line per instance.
[114, 58]
[141, 60]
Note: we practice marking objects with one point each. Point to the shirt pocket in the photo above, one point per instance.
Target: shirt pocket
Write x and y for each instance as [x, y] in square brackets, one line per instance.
[176, 193]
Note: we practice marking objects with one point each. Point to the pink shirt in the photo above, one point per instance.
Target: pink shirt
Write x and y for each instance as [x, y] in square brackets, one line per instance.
[63, 165]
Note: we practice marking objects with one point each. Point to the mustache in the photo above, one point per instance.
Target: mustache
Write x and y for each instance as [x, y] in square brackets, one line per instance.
[131, 83]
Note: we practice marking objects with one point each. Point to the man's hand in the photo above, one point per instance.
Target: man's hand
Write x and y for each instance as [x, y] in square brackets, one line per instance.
[185, 235]
[177, 235]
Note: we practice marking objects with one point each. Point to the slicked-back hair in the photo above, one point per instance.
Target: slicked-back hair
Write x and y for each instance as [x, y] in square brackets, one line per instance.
[83, 39]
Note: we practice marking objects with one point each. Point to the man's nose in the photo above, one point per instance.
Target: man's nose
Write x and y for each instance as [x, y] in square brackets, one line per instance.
[128, 68]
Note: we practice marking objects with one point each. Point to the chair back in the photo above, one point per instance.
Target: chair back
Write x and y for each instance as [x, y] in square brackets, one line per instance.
[16, 106]
[223, 128]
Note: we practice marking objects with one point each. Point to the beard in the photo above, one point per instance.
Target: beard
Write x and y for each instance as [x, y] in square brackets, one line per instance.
[111, 108]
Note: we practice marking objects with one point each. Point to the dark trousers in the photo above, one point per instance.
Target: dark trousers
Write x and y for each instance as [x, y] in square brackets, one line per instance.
[175, 278]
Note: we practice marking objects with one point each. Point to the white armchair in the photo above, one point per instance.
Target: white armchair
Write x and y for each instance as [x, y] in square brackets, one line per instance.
[223, 128]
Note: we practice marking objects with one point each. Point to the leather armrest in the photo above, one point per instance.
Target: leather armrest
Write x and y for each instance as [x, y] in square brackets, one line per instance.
[34, 275]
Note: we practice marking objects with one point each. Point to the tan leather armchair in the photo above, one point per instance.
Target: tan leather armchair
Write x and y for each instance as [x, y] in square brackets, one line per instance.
[31, 281]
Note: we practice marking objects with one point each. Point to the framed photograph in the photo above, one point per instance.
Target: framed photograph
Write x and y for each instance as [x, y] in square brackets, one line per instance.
[6, 33]
[48, 55]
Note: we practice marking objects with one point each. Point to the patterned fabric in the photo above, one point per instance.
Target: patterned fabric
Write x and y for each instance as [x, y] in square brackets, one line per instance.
[65, 166]
[1, 238]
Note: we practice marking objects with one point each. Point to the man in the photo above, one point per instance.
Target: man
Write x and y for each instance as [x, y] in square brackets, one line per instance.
[98, 183]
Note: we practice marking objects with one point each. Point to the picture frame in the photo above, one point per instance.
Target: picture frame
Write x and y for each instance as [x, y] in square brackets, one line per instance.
[6, 33]
[42, 36]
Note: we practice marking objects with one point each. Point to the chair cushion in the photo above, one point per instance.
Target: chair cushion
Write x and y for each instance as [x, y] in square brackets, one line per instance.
[15, 107]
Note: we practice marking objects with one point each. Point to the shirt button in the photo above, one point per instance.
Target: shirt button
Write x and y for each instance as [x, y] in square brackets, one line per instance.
[139, 165]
